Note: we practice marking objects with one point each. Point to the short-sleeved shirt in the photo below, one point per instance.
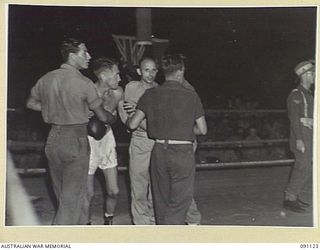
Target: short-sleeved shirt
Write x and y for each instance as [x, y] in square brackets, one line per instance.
[66, 96]
[171, 111]
[300, 105]
[133, 92]
[135, 89]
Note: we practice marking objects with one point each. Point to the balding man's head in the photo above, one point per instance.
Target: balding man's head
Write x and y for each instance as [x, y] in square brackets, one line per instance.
[147, 70]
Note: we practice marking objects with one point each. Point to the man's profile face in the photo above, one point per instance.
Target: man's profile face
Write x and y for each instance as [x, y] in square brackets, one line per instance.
[148, 71]
[309, 77]
[82, 57]
[112, 77]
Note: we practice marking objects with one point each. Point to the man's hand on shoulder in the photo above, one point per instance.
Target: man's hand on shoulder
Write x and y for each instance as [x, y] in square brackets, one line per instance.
[129, 107]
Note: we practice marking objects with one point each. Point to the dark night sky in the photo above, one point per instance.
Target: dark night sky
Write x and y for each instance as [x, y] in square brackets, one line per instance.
[230, 51]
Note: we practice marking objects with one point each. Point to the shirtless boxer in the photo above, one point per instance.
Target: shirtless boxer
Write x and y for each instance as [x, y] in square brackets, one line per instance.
[103, 152]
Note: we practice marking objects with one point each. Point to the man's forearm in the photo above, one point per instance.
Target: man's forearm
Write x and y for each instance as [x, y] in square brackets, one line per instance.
[196, 130]
[110, 118]
[200, 128]
[143, 125]
[105, 116]
[135, 120]
[33, 104]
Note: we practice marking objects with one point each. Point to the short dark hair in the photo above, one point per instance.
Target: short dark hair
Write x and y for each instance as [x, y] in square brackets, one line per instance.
[69, 45]
[102, 63]
[172, 63]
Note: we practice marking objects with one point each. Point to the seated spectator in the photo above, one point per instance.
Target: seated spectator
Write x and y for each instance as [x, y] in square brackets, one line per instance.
[238, 136]
[266, 130]
[277, 132]
[243, 123]
[224, 130]
[254, 152]
[253, 136]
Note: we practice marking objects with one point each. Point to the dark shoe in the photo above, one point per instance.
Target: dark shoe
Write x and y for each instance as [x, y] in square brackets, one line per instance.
[293, 206]
[193, 223]
[108, 220]
[89, 223]
[303, 203]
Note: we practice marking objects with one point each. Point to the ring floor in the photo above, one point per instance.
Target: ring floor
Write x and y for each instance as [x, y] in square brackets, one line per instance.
[239, 197]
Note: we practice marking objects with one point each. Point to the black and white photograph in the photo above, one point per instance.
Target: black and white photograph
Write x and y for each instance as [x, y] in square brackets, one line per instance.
[149, 116]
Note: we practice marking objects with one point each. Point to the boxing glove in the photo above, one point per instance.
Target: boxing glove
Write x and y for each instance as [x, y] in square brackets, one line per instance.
[96, 128]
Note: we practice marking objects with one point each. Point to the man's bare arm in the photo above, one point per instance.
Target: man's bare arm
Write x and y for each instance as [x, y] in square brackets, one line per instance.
[134, 121]
[104, 116]
[200, 128]
[122, 112]
[33, 104]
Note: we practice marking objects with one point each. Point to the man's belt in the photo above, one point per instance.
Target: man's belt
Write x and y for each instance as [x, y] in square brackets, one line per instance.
[307, 122]
[173, 141]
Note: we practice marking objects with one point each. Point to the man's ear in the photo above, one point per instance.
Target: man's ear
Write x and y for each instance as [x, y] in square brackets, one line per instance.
[180, 74]
[102, 76]
[71, 57]
[139, 71]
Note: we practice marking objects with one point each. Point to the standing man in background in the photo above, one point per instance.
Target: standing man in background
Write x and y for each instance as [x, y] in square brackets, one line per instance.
[140, 146]
[140, 150]
[300, 112]
[174, 115]
[65, 97]
[103, 152]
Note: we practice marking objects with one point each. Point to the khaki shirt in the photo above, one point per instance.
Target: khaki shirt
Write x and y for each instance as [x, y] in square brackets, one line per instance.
[66, 96]
[133, 92]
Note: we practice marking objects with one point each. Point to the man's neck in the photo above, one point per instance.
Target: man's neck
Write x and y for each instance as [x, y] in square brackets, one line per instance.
[72, 65]
[173, 79]
[102, 86]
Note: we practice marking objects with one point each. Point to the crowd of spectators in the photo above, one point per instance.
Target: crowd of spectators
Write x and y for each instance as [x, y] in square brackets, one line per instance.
[229, 125]
[223, 126]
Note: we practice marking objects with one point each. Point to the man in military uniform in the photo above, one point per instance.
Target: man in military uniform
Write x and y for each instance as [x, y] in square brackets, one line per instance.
[300, 113]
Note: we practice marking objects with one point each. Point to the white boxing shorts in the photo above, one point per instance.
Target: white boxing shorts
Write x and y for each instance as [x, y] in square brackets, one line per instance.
[103, 152]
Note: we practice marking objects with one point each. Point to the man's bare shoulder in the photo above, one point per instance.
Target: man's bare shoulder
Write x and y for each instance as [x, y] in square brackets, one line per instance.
[132, 84]
[118, 93]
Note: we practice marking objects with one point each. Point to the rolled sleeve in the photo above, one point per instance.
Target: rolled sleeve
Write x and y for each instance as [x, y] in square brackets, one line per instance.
[199, 111]
[35, 90]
